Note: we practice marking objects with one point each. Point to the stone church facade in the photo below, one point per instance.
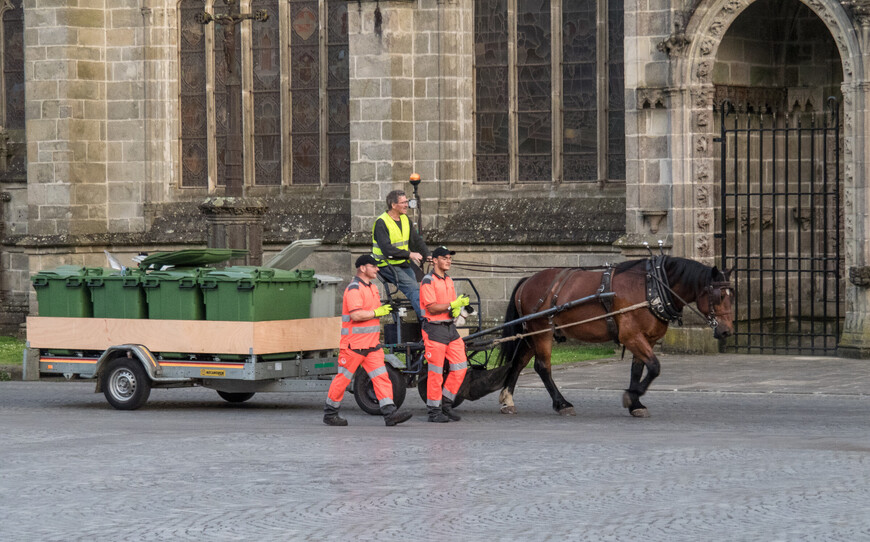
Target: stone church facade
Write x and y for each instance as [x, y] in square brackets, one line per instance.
[546, 132]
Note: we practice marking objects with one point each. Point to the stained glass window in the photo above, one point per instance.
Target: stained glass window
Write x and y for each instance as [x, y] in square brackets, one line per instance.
[580, 102]
[319, 114]
[267, 95]
[616, 91]
[338, 94]
[194, 111]
[305, 91]
[586, 153]
[13, 87]
[534, 91]
[491, 103]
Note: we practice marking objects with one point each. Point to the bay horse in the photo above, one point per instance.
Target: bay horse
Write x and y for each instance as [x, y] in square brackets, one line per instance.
[667, 283]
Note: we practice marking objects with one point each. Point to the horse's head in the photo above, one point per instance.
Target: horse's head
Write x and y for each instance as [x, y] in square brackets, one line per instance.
[715, 303]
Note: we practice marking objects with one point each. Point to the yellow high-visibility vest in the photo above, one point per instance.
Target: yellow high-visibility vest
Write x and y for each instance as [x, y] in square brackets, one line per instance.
[399, 238]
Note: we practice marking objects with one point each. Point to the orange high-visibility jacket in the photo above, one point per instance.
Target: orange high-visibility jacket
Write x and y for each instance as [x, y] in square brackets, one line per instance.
[360, 295]
[435, 289]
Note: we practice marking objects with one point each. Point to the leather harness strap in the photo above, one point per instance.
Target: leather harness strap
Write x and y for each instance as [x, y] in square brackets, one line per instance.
[661, 304]
[607, 303]
[555, 286]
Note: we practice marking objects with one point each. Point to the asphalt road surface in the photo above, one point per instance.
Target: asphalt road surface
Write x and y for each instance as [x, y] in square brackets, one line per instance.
[783, 456]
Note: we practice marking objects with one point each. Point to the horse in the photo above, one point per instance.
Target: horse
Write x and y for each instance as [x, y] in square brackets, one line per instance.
[665, 283]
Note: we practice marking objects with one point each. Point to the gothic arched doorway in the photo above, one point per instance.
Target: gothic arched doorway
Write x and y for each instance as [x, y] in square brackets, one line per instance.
[777, 80]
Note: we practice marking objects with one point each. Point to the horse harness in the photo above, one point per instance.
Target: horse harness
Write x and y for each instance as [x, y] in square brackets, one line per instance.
[658, 293]
[607, 303]
[555, 288]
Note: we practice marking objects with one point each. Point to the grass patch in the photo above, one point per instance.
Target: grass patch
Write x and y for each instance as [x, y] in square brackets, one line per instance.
[570, 353]
[11, 351]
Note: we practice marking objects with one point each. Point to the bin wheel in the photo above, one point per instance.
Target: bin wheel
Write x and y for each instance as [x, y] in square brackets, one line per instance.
[421, 387]
[235, 397]
[125, 384]
[364, 391]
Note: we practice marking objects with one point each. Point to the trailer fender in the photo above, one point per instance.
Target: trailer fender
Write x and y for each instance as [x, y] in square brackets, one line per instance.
[133, 351]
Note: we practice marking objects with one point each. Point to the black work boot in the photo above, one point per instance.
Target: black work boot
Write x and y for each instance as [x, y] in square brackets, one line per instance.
[394, 416]
[331, 417]
[437, 415]
[447, 408]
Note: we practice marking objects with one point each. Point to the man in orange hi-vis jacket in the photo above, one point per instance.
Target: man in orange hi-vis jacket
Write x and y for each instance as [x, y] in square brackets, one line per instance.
[440, 305]
[360, 343]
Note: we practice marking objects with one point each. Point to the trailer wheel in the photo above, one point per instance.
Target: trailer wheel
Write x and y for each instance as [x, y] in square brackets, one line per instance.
[232, 397]
[421, 387]
[364, 391]
[125, 384]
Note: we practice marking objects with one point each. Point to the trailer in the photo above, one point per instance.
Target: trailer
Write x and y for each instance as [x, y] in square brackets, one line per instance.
[129, 357]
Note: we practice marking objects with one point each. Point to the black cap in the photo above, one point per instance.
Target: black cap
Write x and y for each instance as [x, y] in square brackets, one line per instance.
[366, 259]
[442, 251]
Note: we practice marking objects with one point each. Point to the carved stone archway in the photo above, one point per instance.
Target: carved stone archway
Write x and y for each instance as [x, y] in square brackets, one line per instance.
[693, 48]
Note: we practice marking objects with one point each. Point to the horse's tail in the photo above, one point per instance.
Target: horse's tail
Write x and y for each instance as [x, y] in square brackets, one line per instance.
[509, 351]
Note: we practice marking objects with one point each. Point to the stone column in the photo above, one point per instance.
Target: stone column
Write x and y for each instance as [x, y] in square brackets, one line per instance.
[410, 103]
[651, 119]
[236, 223]
[855, 341]
[66, 127]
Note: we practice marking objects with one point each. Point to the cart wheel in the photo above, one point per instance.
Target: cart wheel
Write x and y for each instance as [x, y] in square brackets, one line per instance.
[421, 387]
[232, 397]
[364, 391]
[125, 384]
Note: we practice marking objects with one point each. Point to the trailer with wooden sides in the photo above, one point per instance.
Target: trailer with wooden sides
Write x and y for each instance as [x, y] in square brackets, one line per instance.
[129, 357]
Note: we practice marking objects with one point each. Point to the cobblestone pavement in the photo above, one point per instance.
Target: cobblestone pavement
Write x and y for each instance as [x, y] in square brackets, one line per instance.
[746, 448]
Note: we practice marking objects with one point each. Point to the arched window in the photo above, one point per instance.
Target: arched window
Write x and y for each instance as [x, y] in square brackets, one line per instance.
[543, 113]
[12, 88]
[300, 131]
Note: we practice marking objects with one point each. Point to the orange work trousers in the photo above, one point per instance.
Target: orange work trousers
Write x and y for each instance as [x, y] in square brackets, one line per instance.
[436, 353]
[373, 364]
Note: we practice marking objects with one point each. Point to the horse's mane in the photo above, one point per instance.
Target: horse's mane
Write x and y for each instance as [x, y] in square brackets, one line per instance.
[679, 271]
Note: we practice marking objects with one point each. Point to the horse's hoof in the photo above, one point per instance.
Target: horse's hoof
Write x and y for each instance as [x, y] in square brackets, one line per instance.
[569, 411]
[509, 409]
[626, 400]
[640, 413]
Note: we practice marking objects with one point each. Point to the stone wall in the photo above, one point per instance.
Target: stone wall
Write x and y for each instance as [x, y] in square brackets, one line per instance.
[103, 125]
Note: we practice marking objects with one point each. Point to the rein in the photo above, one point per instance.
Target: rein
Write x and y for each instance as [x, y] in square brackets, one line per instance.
[511, 269]
[634, 307]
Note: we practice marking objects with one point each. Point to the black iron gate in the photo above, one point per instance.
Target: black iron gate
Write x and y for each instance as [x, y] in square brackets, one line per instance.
[780, 228]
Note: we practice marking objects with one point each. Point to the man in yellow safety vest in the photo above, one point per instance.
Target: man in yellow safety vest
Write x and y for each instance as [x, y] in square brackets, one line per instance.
[394, 241]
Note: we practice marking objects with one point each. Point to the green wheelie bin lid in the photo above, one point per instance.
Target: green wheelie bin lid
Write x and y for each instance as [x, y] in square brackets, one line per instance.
[194, 257]
[63, 292]
[255, 294]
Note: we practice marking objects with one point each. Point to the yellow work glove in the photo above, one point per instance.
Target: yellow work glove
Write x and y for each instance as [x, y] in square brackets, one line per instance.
[455, 312]
[460, 302]
[383, 310]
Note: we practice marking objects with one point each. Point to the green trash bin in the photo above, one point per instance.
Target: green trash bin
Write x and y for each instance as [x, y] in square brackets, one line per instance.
[118, 295]
[63, 291]
[174, 294]
[256, 294]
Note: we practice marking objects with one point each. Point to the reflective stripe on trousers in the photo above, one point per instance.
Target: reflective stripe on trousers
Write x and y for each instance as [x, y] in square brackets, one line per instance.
[436, 353]
[373, 364]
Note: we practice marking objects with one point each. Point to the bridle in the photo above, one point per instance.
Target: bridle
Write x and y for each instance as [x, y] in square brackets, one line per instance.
[714, 291]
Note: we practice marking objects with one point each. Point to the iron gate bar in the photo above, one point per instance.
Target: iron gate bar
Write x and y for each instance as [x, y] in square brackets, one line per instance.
[818, 262]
